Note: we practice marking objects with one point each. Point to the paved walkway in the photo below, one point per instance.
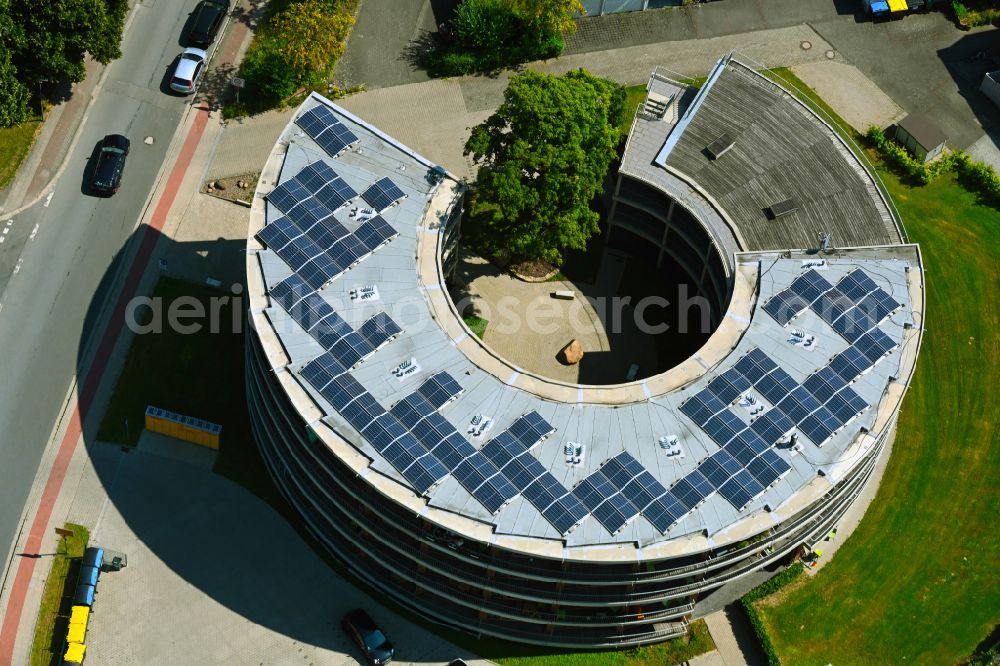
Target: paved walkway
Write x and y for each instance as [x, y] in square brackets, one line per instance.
[855, 98]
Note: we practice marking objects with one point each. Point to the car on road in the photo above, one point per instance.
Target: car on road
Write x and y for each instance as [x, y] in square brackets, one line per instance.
[110, 164]
[377, 647]
[205, 22]
[188, 72]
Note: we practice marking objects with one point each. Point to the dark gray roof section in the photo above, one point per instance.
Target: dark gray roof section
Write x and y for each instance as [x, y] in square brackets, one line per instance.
[782, 151]
[923, 130]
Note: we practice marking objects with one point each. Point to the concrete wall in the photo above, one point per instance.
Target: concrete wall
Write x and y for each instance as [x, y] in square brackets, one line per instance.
[991, 86]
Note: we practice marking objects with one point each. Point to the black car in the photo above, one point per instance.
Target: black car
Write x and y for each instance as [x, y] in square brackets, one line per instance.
[205, 22]
[110, 164]
[372, 640]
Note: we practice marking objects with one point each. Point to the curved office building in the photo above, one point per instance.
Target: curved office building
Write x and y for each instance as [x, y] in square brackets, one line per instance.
[505, 503]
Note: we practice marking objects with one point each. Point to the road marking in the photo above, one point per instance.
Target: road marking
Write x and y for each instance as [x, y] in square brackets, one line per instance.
[34, 232]
[48, 199]
[17, 266]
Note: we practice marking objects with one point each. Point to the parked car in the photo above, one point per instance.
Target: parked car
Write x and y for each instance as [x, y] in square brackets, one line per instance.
[187, 74]
[375, 645]
[206, 21]
[110, 165]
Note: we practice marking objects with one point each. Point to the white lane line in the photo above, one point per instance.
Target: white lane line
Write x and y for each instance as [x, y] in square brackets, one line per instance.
[48, 199]
[34, 232]
[17, 267]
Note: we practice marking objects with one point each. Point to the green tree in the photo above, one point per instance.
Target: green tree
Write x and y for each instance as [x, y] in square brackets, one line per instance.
[543, 157]
[50, 38]
[548, 16]
[13, 94]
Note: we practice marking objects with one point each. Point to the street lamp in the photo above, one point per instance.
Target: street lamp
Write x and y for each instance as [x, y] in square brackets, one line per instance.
[41, 106]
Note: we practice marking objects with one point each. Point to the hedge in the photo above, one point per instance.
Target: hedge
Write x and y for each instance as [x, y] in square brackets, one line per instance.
[979, 177]
[764, 590]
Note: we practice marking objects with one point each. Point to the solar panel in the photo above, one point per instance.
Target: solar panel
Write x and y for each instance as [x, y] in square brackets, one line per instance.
[543, 491]
[350, 349]
[798, 404]
[347, 251]
[723, 427]
[335, 193]
[820, 425]
[776, 385]
[289, 291]
[832, 305]
[424, 473]
[810, 285]
[741, 490]
[857, 285]
[771, 425]
[522, 470]
[330, 330]
[439, 389]
[473, 471]
[875, 344]
[288, 195]
[309, 262]
[452, 450]
[382, 194]
[278, 234]
[754, 365]
[379, 329]
[321, 370]
[565, 513]
[622, 469]
[308, 213]
[846, 404]
[664, 512]
[729, 385]
[785, 306]
[336, 139]
[411, 409]
[853, 324]
[362, 410]
[768, 467]
[702, 406]
[746, 446]
[495, 493]
[824, 383]
[342, 391]
[719, 468]
[530, 429]
[849, 363]
[312, 121]
[878, 305]
[608, 505]
[383, 431]
[432, 429]
[503, 448]
[375, 232]
[692, 490]
[310, 311]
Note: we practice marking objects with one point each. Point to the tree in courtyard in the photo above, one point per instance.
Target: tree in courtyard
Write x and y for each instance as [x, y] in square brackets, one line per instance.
[51, 38]
[543, 157]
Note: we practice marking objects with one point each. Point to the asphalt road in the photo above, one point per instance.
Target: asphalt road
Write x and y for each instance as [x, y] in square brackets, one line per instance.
[56, 253]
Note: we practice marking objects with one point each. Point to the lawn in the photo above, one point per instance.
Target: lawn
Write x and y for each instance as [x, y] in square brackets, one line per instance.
[15, 142]
[57, 597]
[476, 324]
[635, 96]
[917, 581]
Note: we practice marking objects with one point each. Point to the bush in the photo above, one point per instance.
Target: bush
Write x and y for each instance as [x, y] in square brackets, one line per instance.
[766, 590]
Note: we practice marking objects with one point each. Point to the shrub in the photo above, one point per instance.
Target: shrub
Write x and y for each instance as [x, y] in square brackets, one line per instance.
[764, 590]
[484, 26]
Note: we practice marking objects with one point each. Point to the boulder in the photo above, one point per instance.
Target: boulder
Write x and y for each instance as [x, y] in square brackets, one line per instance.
[571, 354]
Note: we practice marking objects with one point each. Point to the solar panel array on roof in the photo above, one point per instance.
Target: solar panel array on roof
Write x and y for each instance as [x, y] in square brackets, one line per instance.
[606, 502]
[382, 194]
[309, 239]
[325, 128]
[507, 450]
[641, 488]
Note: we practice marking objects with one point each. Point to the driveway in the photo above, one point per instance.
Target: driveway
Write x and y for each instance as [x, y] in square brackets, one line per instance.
[215, 575]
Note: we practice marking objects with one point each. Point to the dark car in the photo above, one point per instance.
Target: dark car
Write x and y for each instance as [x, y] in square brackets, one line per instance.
[206, 20]
[372, 640]
[110, 164]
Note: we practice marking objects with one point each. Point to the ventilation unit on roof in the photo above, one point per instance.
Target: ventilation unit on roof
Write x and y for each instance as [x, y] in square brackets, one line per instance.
[406, 369]
[657, 106]
[781, 208]
[720, 146]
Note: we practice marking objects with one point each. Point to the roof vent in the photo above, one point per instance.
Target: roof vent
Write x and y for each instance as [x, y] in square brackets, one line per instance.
[781, 208]
[720, 146]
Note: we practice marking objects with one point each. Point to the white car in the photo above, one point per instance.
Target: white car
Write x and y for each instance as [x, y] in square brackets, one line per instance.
[189, 70]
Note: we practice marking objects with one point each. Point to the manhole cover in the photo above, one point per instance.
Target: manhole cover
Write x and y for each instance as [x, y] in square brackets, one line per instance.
[148, 141]
[806, 46]
[831, 54]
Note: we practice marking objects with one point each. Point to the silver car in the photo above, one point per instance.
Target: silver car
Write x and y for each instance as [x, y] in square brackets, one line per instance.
[189, 70]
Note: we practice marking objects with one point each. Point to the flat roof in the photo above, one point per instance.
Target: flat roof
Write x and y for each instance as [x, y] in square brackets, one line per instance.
[923, 130]
[603, 422]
